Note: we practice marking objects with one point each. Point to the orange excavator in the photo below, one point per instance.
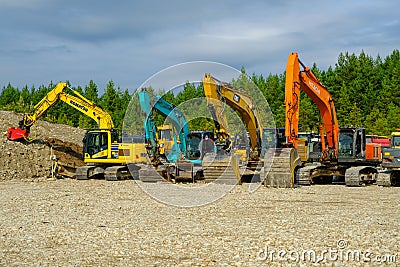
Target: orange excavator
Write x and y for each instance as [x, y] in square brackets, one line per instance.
[305, 80]
[346, 156]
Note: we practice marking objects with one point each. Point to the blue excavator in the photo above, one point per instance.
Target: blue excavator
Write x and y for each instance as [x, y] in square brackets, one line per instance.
[178, 162]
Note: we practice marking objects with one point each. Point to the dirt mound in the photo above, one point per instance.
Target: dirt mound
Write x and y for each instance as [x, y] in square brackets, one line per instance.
[31, 160]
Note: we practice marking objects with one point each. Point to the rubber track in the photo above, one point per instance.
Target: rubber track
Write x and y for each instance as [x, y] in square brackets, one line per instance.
[384, 179]
[116, 173]
[82, 172]
[303, 176]
[355, 177]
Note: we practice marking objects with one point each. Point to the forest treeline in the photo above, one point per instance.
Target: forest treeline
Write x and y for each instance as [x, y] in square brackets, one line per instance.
[366, 92]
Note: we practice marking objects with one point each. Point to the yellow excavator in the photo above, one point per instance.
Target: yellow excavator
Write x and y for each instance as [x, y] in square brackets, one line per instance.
[218, 94]
[103, 152]
[390, 175]
[165, 138]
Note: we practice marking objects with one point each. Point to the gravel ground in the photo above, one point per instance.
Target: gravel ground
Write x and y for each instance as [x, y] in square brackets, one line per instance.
[99, 223]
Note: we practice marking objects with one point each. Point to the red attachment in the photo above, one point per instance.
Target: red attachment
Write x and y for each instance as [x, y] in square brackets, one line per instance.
[16, 133]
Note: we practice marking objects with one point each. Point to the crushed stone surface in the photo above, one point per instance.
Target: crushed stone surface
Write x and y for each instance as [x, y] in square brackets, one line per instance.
[66, 222]
[98, 223]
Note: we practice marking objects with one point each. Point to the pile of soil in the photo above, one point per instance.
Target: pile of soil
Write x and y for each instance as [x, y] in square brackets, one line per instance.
[50, 143]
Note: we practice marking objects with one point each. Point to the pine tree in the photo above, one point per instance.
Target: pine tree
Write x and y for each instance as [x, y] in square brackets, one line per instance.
[110, 102]
[9, 97]
[91, 93]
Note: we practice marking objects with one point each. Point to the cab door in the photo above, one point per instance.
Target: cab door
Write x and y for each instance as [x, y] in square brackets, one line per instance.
[96, 145]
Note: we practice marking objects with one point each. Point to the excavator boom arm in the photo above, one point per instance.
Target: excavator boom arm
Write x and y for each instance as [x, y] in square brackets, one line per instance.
[150, 103]
[88, 108]
[217, 93]
[296, 80]
[149, 125]
[177, 117]
[78, 102]
[47, 102]
[216, 105]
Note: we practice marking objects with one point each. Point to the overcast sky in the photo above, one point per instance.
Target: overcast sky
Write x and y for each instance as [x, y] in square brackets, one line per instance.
[129, 41]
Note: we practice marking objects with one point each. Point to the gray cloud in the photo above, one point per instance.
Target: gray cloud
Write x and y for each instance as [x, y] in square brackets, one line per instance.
[128, 41]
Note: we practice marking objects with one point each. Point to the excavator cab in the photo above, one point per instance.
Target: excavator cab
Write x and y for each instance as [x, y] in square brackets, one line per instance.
[352, 144]
[395, 142]
[96, 143]
[165, 139]
[273, 138]
[194, 140]
[391, 162]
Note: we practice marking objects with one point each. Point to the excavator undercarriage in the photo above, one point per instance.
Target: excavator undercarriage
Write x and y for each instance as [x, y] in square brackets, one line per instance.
[284, 169]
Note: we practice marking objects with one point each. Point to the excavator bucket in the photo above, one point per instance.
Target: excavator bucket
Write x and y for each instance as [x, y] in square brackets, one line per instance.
[184, 170]
[15, 134]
